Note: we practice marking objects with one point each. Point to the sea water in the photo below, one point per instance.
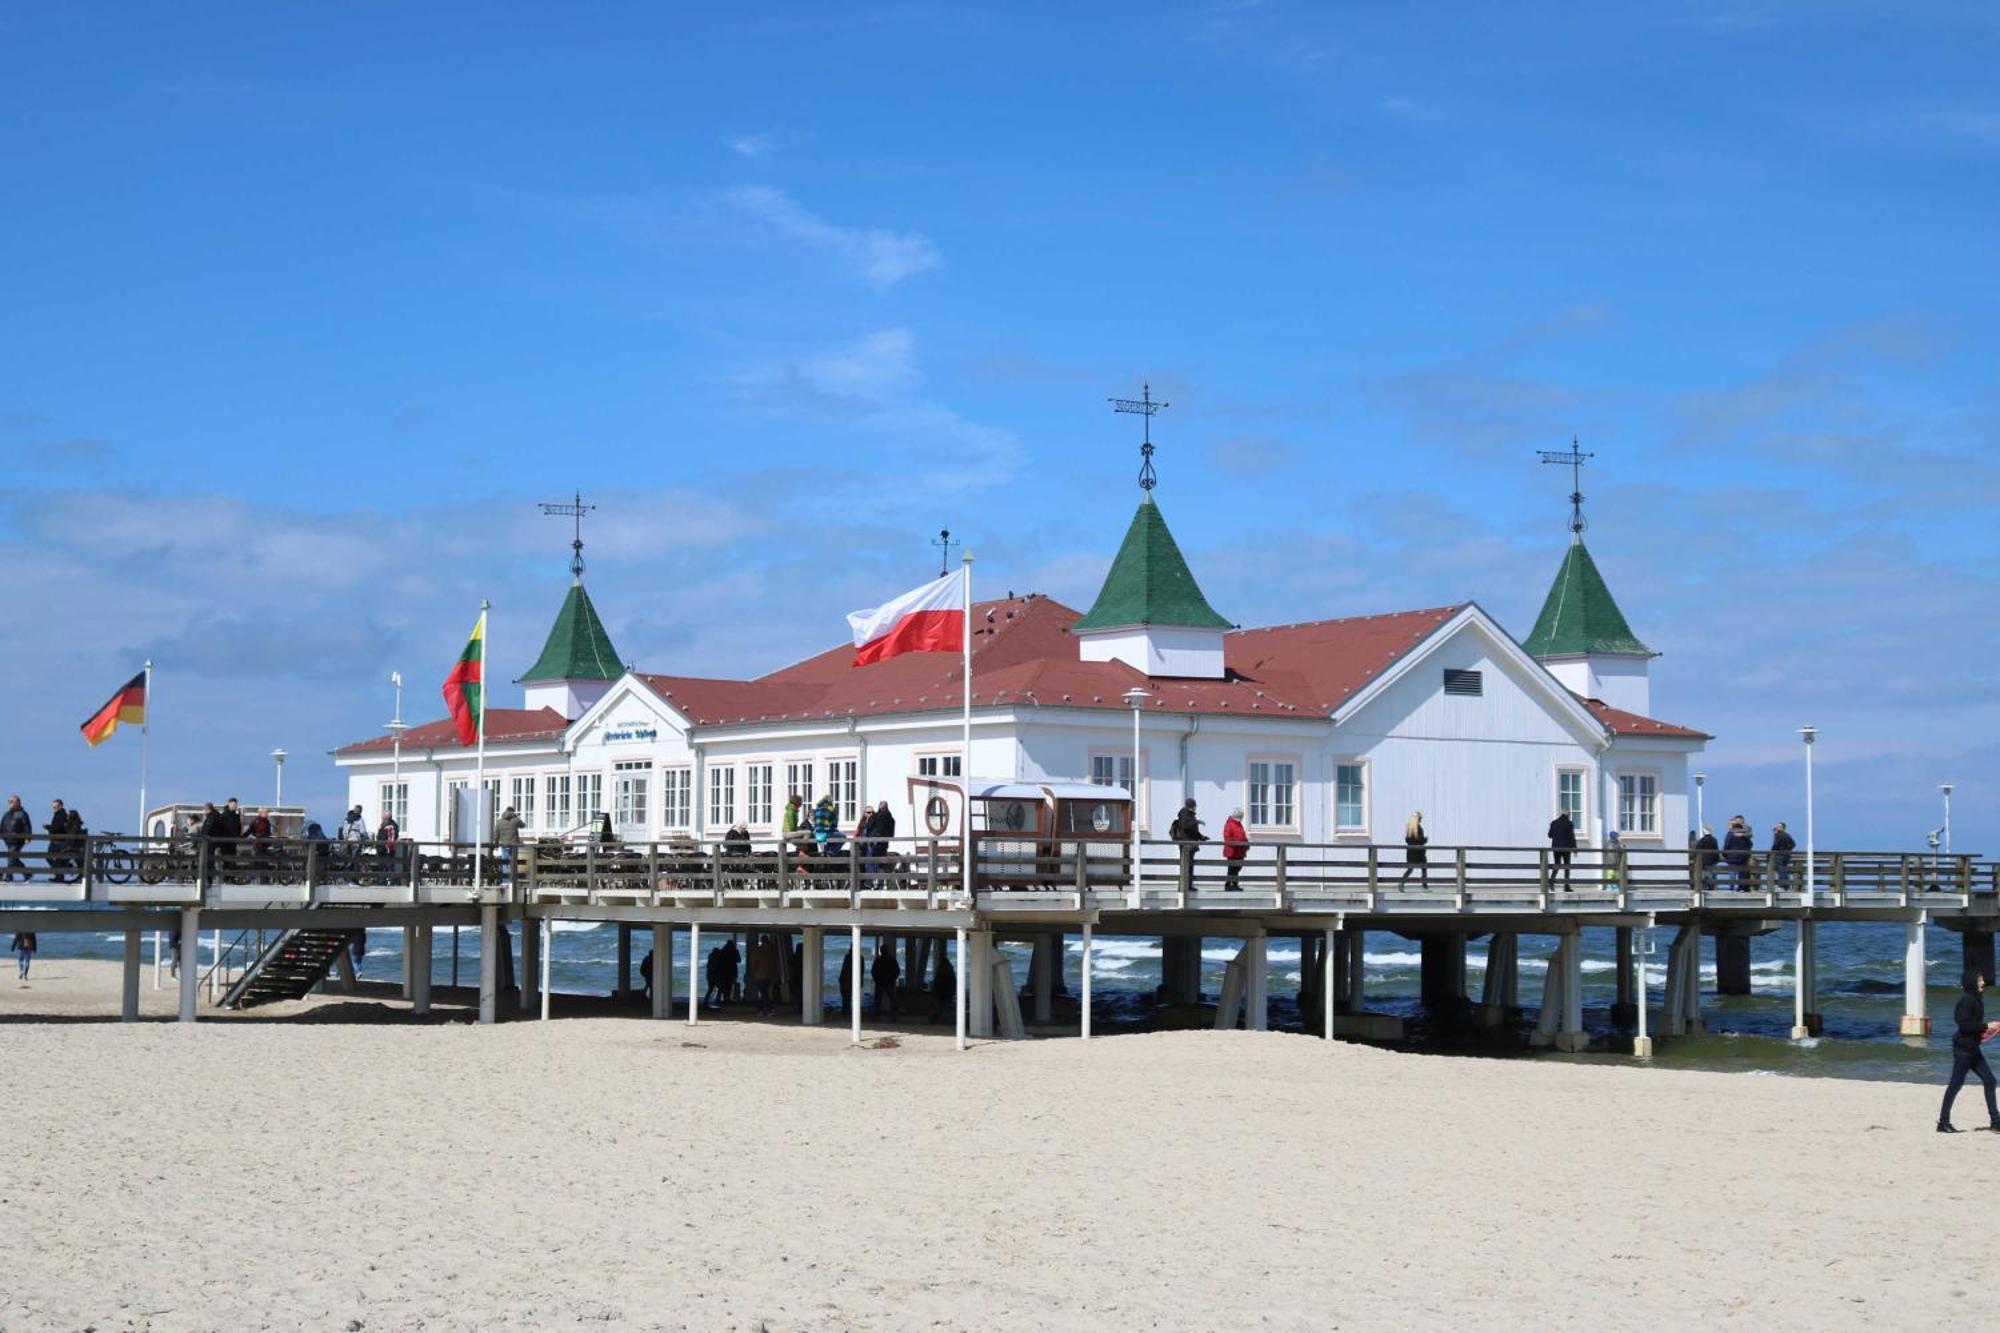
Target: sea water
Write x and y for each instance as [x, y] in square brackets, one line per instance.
[1860, 987]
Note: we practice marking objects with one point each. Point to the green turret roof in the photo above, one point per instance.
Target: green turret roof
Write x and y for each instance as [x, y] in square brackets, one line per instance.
[1149, 582]
[1580, 616]
[577, 647]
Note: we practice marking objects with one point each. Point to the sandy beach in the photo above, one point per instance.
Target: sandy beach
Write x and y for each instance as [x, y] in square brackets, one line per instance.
[332, 1165]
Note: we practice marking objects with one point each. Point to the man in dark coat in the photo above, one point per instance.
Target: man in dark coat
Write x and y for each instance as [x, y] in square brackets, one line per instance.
[881, 828]
[885, 971]
[1782, 844]
[1705, 857]
[210, 833]
[1562, 845]
[1969, 1029]
[15, 830]
[58, 829]
[1736, 847]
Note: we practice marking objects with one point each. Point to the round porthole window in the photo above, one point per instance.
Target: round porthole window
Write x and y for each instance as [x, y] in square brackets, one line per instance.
[1100, 817]
[937, 814]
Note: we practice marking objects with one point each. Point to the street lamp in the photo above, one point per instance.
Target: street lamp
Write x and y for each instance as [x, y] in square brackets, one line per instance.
[1135, 698]
[1945, 788]
[396, 729]
[1700, 781]
[1809, 734]
[278, 758]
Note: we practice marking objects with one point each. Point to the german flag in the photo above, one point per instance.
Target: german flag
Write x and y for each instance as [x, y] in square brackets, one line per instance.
[128, 705]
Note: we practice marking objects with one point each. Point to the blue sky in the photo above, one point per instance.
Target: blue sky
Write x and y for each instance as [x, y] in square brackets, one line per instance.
[307, 306]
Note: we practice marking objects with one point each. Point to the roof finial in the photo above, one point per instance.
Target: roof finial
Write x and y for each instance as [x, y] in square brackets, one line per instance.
[1575, 461]
[575, 509]
[944, 541]
[1144, 407]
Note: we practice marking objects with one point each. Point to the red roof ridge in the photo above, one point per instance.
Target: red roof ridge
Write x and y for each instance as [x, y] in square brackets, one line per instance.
[1440, 611]
[1624, 722]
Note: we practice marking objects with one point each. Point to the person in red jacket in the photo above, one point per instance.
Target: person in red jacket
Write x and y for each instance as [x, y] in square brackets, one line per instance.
[1235, 846]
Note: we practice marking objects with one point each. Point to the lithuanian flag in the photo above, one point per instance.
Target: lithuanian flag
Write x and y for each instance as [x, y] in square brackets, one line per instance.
[465, 687]
[128, 705]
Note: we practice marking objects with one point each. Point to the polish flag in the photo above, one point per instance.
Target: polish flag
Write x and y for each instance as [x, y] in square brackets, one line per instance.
[930, 619]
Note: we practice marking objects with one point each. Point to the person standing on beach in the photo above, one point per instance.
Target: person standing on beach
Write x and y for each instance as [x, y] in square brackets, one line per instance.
[1562, 845]
[1235, 847]
[885, 972]
[24, 949]
[763, 973]
[15, 829]
[712, 966]
[1414, 855]
[1970, 1028]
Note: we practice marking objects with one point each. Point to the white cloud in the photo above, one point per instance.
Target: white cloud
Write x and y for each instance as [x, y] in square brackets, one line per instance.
[756, 147]
[880, 257]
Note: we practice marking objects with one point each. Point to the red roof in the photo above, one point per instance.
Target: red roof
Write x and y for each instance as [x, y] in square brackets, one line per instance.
[1621, 723]
[1023, 652]
[502, 724]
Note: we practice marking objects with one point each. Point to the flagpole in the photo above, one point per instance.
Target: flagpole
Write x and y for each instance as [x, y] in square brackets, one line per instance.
[145, 745]
[479, 775]
[965, 761]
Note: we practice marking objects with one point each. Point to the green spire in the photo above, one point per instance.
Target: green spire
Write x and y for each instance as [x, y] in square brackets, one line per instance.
[577, 647]
[1149, 582]
[1580, 616]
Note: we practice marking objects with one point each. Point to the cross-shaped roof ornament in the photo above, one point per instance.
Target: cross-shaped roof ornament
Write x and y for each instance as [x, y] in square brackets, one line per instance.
[575, 509]
[1144, 407]
[1574, 459]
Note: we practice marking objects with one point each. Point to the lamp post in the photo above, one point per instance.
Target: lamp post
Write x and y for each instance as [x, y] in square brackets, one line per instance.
[1700, 781]
[278, 758]
[1945, 789]
[396, 729]
[1809, 734]
[1135, 698]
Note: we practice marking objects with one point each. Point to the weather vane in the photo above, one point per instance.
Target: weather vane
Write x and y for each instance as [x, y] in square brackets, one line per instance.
[944, 543]
[575, 509]
[1144, 407]
[1575, 461]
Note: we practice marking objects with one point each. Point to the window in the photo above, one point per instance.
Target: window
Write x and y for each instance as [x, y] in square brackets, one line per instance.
[799, 781]
[523, 801]
[395, 798]
[631, 781]
[1273, 784]
[1111, 770]
[1569, 794]
[757, 793]
[492, 804]
[940, 766]
[677, 797]
[1460, 681]
[589, 795]
[1350, 797]
[1638, 804]
[555, 801]
[722, 795]
[841, 785]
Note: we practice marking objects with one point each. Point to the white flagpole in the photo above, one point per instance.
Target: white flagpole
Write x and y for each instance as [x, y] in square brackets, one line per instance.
[479, 772]
[145, 744]
[965, 761]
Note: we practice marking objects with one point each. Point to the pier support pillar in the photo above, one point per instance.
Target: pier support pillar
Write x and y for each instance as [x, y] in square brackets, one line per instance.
[190, 977]
[1642, 1045]
[1357, 975]
[663, 971]
[129, 1006]
[420, 971]
[532, 932]
[490, 944]
[1916, 976]
[1443, 971]
[1805, 982]
[1257, 983]
[1500, 990]
[1623, 965]
[695, 965]
[409, 954]
[1041, 979]
[1561, 1022]
[812, 1003]
[624, 986]
[1732, 963]
[979, 983]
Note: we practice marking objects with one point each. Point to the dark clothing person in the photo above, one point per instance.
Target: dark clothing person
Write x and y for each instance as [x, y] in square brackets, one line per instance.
[1968, 1028]
[1187, 836]
[763, 974]
[1562, 845]
[846, 982]
[15, 830]
[881, 828]
[1414, 856]
[24, 947]
[885, 972]
[716, 992]
[1736, 848]
[1782, 846]
[944, 991]
[1706, 857]
[732, 967]
[58, 830]
[736, 842]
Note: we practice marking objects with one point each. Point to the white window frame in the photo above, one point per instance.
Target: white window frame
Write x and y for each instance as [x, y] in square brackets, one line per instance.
[721, 809]
[588, 789]
[1581, 816]
[759, 785]
[1361, 829]
[395, 798]
[631, 791]
[677, 797]
[800, 774]
[1268, 825]
[521, 795]
[558, 794]
[843, 783]
[1658, 804]
[947, 764]
[1121, 761]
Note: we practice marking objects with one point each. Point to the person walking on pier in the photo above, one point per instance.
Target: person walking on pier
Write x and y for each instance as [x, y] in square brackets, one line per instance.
[1782, 845]
[1414, 856]
[1705, 858]
[1235, 847]
[58, 851]
[1187, 836]
[24, 947]
[1970, 1028]
[15, 830]
[1562, 846]
[259, 829]
[881, 829]
[507, 837]
[1736, 847]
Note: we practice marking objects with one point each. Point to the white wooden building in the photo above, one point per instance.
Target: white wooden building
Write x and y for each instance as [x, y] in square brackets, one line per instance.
[1322, 731]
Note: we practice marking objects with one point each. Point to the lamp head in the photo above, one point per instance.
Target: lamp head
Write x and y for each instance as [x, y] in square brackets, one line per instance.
[1136, 697]
[1700, 778]
[1810, 733]
[1945, 787]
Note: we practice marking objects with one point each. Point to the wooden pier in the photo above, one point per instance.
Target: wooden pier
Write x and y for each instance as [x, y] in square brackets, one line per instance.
[289, 895]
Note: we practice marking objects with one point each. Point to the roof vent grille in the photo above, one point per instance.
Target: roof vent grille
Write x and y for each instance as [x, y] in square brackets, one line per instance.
[1458, 680]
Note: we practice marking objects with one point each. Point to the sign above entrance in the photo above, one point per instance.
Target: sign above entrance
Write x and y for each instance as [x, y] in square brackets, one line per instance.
[630, 731]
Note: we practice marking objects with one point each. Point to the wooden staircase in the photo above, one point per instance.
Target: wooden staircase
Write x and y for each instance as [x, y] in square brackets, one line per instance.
[292, 966]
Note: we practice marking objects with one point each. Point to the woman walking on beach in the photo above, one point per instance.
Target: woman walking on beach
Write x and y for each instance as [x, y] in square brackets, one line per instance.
[1414, 856]
[1970, 1029]
[24, 948]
